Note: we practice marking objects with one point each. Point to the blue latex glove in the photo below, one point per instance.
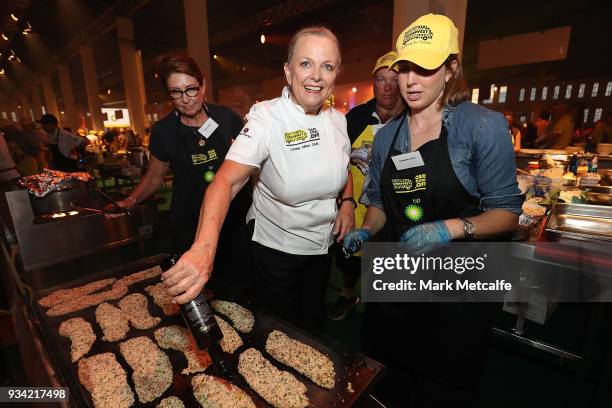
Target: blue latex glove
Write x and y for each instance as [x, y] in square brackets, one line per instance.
[425, 237]
[353, 241]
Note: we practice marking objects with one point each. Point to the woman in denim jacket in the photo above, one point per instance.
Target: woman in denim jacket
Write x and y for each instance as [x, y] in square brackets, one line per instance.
[442, 171]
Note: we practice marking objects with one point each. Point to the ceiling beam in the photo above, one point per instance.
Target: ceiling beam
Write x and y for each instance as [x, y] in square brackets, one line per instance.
[93, 31]
[273, 15]
[101, 26]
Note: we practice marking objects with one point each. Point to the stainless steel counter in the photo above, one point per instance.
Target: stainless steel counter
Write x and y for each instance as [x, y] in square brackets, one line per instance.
[524, 156]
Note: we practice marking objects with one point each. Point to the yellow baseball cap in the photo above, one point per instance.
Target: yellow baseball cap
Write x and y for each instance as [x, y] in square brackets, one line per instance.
[385, 61]
[428, 41]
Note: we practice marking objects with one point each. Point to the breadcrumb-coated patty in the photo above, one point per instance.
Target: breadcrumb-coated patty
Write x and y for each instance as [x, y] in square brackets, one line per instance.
[179, 338]
[135, 308]
[81, 335]
[106, 381]
[215, 392]
[112, 321]
[302, 357]
[242, 319]
[152, 369]
[280, 388]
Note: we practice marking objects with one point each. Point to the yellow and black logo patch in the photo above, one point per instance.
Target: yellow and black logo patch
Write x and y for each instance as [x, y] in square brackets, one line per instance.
[296, 136]
[401, 185]
[202, 158]
[409, 185]
[420, 32]
[299, 139]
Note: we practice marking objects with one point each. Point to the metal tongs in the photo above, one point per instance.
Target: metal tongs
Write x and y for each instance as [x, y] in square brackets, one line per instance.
[108, 198]
[80, 208]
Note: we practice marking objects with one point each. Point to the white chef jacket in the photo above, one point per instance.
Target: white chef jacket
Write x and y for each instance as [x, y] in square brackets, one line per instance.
[303, 162]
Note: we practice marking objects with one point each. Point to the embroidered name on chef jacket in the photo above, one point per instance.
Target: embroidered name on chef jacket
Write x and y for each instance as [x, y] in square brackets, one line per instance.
[202, 158]
[408, 185]
[302, 139]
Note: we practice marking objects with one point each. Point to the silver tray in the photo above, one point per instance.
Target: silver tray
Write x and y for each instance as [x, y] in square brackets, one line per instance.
[599, 195]
[580, 221]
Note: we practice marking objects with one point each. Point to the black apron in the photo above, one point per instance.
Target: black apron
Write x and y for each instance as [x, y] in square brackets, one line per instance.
[61, 162]
[194, 167]
[442, 340]
[423, 194]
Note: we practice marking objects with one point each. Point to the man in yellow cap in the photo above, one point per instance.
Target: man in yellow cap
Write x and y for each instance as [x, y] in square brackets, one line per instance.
[363, 121]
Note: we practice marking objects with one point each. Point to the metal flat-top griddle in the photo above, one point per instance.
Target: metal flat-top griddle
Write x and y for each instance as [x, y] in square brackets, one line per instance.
[359, 370]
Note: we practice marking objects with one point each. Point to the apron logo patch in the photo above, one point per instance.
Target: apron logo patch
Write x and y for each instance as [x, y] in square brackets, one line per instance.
[402, 185]
[413, 212]
[420, 181]
[301, 139]
[201, 158]
[405, 186]
[208, 176]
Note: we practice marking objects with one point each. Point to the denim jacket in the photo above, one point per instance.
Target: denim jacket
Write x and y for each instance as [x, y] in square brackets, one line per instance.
[480, 151]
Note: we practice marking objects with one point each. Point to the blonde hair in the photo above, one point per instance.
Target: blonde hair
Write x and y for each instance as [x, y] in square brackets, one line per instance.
[314, 30]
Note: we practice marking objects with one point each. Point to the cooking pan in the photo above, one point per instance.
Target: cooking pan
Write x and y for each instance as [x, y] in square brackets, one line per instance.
[59, 201]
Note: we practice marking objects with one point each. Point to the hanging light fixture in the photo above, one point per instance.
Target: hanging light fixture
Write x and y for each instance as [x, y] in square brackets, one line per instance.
[2, 71]
[4, 37]
[14, 17]
[262, 39]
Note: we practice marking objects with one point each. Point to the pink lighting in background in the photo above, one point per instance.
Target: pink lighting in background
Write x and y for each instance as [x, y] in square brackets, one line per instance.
[345, 98]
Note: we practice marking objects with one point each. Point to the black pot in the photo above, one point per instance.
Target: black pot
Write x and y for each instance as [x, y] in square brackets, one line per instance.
[59, 201]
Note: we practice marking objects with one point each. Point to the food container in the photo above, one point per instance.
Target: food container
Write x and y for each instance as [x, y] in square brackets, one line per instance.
[569, 182]
[581, 222]
[589, 180]
[604, 149]
[599, 195]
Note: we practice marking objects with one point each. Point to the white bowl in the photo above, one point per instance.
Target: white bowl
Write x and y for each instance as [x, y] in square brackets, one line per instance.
[604, 148]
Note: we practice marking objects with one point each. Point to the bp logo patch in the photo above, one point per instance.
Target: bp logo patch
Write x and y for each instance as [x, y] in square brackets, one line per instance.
[413, 212]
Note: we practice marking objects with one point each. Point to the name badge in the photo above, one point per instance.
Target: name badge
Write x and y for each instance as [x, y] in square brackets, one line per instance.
[208, 128]
[408, 160]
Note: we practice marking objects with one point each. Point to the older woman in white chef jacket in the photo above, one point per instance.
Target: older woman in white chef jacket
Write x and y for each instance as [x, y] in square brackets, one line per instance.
[301, 201]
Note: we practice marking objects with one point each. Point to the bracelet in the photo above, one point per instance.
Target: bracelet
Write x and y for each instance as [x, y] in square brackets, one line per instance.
[351, 199]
